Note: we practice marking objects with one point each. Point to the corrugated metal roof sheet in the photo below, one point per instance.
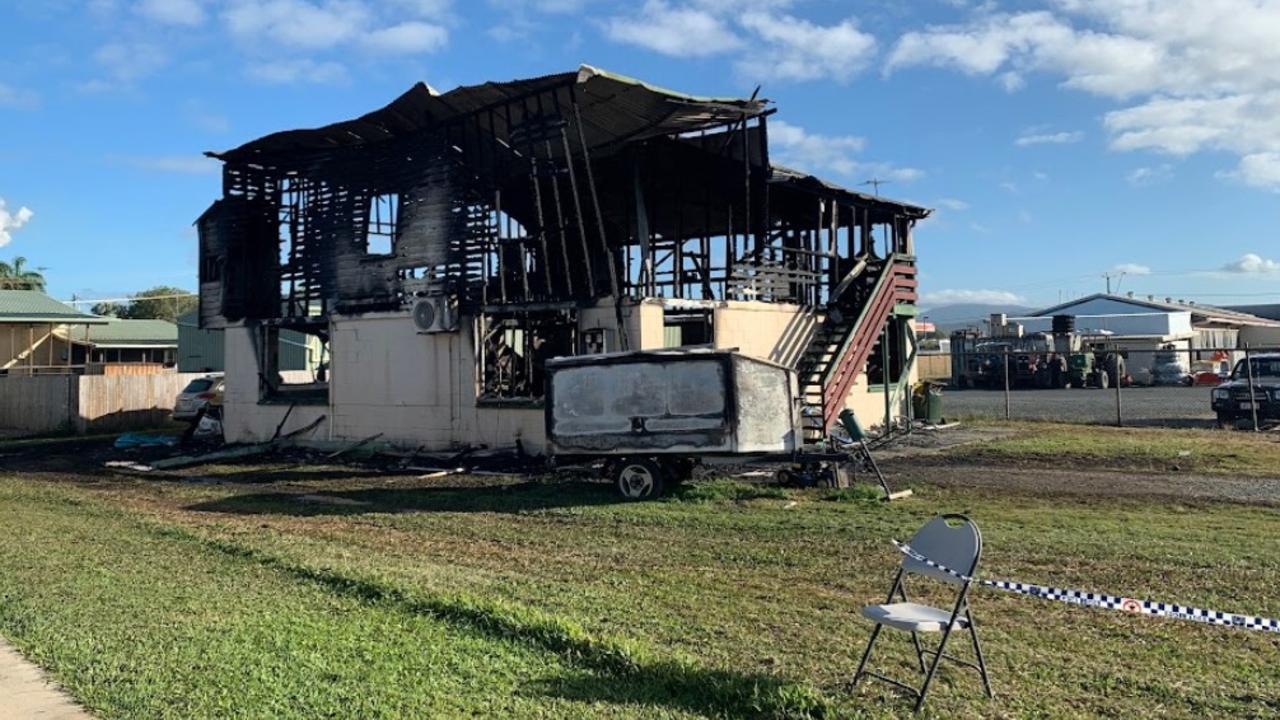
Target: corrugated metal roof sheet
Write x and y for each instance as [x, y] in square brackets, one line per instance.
[132, 333]
[799, 178]
[1206, 313]
[27, 306]
[614, 108]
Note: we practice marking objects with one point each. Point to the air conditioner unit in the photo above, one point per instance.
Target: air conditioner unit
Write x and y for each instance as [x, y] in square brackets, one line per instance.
[434, 314]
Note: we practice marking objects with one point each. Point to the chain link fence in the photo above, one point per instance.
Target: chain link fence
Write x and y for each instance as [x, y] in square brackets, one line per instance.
[1112, 384]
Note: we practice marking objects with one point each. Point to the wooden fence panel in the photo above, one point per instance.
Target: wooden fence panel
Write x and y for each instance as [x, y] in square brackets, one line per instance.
[934, 366]
[36, 403]
[109, 403]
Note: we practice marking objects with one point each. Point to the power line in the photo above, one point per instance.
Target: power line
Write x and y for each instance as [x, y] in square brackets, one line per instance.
[75, 301]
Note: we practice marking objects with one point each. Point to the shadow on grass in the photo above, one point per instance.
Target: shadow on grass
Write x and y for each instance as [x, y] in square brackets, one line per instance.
[513, 498]
[616, 671]
[254, 474]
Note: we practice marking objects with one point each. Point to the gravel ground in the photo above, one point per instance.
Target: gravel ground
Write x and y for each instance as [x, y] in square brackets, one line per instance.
[1140, 406]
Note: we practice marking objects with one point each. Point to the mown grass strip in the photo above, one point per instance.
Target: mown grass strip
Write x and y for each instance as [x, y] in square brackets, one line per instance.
[715, 691]
[1205, 451]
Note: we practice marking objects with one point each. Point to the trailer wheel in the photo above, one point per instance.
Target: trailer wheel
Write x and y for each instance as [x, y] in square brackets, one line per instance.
[638, 479]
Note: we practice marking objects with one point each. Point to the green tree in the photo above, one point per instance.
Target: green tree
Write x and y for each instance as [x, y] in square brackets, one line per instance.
[159, 303]
[107, 309]
[16, 276]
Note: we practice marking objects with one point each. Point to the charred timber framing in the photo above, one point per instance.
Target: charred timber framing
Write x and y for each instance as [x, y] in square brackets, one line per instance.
[518, 193]
[522, 205]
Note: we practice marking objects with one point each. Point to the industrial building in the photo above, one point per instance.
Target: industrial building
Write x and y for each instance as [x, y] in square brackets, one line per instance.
[443, 248]
[1142, 326]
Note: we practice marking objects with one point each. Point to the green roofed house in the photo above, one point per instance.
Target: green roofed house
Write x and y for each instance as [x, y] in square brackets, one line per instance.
[33, 333]
[40, 335]
[128, 347]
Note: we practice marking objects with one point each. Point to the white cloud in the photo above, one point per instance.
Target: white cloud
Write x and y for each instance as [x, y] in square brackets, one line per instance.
[793, 146]
[1145, 176]
[307, 27]
[182, 164]
[775, 45]
[172, 12]
[1049, 138]
[1132, 269]
[675, 31]
[297, 23]
[408, 37]
[986, 297]
[1259, 170]
[797, 49]
[9, 222]
[953, 204]
[298, 71]
[1252, 263]
[423, 8]
[125, 64]
[1192, 75]
[13, 97]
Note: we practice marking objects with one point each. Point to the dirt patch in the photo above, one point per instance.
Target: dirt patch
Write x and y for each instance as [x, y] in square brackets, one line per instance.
[923, 442]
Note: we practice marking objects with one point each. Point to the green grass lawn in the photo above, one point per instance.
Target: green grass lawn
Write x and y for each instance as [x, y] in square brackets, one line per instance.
[1205, 451]
[327, 593]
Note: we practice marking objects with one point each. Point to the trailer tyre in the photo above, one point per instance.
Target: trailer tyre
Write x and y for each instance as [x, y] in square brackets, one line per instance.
[638, 479]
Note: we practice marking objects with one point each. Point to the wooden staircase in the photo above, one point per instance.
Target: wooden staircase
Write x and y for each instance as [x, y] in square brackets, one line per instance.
[854, 325]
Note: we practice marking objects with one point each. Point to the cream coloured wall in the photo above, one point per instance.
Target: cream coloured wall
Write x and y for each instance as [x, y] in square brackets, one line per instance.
[642, 320]
[778, 333]
[419, 390]
[243, 419]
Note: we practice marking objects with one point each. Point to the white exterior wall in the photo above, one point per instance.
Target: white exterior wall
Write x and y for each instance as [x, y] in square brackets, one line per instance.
[1260, 337]
[1158, 324]
[419, 390]
[244, 420]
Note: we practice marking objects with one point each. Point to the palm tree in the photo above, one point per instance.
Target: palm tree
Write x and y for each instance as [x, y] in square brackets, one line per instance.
[16, 276]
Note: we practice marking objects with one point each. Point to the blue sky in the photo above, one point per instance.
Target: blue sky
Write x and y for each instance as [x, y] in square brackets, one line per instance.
[1058, 140]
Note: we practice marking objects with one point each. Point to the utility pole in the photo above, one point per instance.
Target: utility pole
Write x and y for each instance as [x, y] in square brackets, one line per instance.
[1117, 275]
[875, 184]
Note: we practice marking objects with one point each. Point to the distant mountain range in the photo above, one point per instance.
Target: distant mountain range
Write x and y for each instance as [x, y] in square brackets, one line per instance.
[948, 318]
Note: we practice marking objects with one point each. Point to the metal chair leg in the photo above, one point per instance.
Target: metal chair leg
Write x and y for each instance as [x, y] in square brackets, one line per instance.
[865, 655]
[977, 650]
[915, 638]
[933, 668]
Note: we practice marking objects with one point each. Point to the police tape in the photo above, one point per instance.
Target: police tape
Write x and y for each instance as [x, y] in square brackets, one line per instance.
[1109, 602]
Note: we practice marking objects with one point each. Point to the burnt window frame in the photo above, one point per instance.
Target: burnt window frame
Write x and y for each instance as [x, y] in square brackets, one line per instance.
[492, 389]
[266, 346]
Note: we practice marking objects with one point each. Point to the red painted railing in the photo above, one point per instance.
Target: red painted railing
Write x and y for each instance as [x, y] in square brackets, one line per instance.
[897, 284]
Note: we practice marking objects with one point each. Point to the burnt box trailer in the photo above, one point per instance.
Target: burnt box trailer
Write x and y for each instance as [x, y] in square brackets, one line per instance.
[651, 415]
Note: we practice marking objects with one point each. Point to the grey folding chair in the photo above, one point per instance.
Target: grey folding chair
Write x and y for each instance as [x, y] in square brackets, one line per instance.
[952, 541]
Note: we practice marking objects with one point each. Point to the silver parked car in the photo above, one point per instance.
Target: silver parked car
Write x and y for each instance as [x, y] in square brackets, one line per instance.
[197, 395]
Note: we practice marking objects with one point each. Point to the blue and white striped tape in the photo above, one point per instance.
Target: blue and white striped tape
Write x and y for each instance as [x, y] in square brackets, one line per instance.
[1109, 602]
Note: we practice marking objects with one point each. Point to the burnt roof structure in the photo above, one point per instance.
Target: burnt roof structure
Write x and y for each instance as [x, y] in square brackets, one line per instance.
[555, 191]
